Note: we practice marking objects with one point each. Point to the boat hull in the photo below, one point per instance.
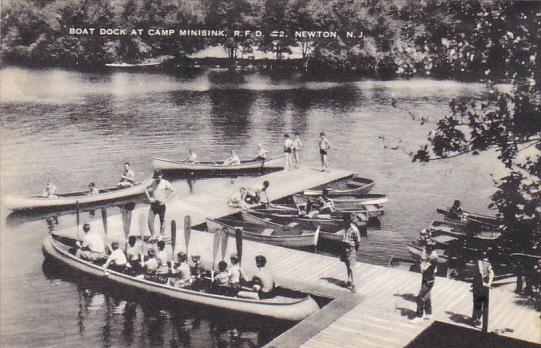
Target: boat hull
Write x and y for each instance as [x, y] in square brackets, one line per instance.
[163, 164]
[71, 200]
[348, 186]
[294, 310]
[300, 240]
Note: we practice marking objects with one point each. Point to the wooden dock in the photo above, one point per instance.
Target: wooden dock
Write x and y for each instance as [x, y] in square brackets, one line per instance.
[377, 316]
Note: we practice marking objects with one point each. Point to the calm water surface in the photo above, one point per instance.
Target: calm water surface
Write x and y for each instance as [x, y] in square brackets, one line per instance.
[76, 127]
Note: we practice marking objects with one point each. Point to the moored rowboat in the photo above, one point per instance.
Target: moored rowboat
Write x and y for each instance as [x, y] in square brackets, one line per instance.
[217, 167]
[293, 237]
[279, 307]
[347, 186]
[66, 200]
[481, 219]
[462, 230]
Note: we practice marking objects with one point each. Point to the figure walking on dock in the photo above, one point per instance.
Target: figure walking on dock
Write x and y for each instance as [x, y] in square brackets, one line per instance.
[482, 282]
[351, 242]
[324, 147]
[429, 261]
[156, 194]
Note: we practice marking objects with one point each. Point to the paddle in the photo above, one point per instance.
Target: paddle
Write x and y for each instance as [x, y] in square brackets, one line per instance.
[77, 218]
[142, 226]
[216, 244]
[104, 220]
[187, 231]
[238, 240]
[173, 242]
[225, 240]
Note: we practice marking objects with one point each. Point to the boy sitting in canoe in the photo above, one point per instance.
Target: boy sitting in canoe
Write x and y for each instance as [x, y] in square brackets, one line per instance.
[181, 274]
[133, 254]
[50, 190]
[220, 285]
[127, 178]
[262, 280]
[236, 275]
[163, 258]
[232, 160]
[191, 157]
[92, 247]
[117, 261]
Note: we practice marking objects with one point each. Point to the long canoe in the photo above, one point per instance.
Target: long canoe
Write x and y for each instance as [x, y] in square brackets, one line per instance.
[217, 167]
[279, 307]
[71, 199]
[347, 186]
[480, 219]
[132, 66]
[330, 228]
[462, 230]
[275, 235]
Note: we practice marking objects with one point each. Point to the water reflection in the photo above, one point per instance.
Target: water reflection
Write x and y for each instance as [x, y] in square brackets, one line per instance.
[229, 114]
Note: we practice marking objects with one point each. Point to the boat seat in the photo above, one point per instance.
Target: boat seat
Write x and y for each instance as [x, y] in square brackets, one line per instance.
[267, 232]
[292, 224]
[267, 219]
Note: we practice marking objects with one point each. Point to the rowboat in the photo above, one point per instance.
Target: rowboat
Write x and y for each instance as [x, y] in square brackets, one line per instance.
[217, 167]
[359, 199]
[287, 305]
[72, 199]
[485, 221]
[330, 228]
[293, 237]
[131, 66]
[416, 251]
[347, 186]
[345, 203]
[463, 230]
[373, 211]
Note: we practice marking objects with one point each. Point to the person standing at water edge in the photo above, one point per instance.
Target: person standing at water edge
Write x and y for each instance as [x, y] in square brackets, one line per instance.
[127, 178]
[350, 242]
[297, 145]
[482, 281]
[157, 195]
[429, 261]
[288, 148]
[324, 147]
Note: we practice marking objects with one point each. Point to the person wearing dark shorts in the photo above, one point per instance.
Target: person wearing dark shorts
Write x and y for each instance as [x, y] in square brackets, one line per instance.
[429, 262]
[482, 282]
[157, 195]
[351, 242]
[324, 146]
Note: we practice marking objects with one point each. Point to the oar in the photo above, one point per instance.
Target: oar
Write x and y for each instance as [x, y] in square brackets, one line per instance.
[173, 242]
[217, 237]
[187, 231]
[77, 218]
[238, 240]
[225, 240]
[142, 226]
[104, 220]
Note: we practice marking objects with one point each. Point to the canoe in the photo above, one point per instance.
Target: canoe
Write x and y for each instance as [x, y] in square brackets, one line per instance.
[348, 205]
[481, 219]
[280, 307]
[67, 200]
[330, 228]
[347, 186]
[359, 199]
[373, 211]
[217, 167]
[128, 65]
[463, 231]
[416, 251]
[275, 235]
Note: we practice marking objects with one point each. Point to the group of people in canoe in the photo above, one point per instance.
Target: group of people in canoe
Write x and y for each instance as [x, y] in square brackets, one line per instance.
[154, 263]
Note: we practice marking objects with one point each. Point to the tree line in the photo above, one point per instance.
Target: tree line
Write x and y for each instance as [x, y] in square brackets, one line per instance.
[456, 39]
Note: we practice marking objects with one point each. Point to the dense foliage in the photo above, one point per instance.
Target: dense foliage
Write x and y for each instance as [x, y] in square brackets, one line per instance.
[437, 38]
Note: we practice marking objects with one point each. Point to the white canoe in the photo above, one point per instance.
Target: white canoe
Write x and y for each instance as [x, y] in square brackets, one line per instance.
[217, 167]
[67, 200]
[279, 307]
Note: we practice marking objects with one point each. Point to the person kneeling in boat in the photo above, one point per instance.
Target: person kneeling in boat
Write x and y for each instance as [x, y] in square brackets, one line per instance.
[92, 247]
[191, 157]
[232, 160]
[263, 281]
[455, 212]
[127, 179]
[50, 190]
[181, 274]
[220, 285]
[133, 253]
[236, 275]
[237, 200]
[117, 261]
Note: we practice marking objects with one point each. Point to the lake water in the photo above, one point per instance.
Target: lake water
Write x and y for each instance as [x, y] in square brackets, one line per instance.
[80, 127]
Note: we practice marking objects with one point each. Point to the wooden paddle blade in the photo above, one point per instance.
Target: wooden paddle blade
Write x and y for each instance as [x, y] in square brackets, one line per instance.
[225, 240]
[238, 240]
[143, 225]
[187, 231]
[173, 236]
[216, 245]
[104, 220]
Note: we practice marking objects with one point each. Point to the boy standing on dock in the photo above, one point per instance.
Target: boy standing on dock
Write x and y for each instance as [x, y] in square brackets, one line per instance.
[288, 148]
[297, 144]
[482, 282]
[429, 261]
[324, 147]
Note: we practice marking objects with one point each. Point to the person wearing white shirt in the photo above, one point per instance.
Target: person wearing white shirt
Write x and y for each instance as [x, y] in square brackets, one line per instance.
[92, 248]
[232, 160]
[117, 261]
[192, 157]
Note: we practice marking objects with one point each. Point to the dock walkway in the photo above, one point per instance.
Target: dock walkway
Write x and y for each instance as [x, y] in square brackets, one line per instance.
[378, 316]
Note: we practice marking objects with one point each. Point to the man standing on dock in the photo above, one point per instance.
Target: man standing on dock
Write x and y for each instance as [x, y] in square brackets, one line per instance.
[429, 261]
[324, 147]
[156, 194]
[482, 282]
